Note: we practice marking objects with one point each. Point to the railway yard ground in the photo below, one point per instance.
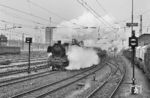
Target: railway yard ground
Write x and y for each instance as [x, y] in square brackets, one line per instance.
[141, 81]
[59, 84]
[110, 79]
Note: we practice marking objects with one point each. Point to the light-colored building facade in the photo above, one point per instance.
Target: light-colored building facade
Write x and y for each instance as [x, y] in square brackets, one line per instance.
[48, 35]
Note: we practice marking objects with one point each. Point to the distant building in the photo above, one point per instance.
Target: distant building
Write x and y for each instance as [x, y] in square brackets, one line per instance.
[3, 40]
[144, 39]
[48, 35]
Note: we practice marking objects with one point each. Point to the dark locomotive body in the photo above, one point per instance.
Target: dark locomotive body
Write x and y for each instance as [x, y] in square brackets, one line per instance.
[58, 60]
[58, 63]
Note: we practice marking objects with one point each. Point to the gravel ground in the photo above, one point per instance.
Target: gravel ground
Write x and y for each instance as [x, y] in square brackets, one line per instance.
[33, 95]
[94, 84]
[23, 55]
[83, 92]
[20, 68]
[141, 80]
[108, 88]
[21, 75]
[10, 90]
[21, 64]
[111, 85]
[76, 90]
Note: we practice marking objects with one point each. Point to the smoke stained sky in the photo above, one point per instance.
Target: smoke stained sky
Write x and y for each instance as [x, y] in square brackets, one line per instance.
[72, 11]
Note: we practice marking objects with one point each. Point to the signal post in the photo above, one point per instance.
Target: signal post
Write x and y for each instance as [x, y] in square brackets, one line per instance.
[29, 41]
[133, 43]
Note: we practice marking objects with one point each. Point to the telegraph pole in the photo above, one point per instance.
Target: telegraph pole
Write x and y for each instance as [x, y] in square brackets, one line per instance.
[50, 43]
[98, 33]
[140, 24]
[133, 43]
[29, 41]
[22, 41]
[133, 48]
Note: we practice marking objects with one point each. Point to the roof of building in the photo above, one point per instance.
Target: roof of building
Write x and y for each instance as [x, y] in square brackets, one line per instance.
[2, 36]
[144, 39]
[144, 35]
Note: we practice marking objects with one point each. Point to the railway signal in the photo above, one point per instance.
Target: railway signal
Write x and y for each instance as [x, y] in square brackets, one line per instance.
[29, 41]
[133, 40]
[133, 43]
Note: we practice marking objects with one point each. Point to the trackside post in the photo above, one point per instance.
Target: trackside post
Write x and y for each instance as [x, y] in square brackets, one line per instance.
[29, 41]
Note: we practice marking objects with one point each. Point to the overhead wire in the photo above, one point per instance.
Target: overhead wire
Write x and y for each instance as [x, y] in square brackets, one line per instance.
[82, 4]
[145, 12]
[94, 13]
[49, 11]
[16, 32]
[23, 12]
[29, 6]
[19, 24]
[22, 18]
[31, 26]
[30, 14]
[26, 13]
[101, 6]
[97, 13]
[136, 16]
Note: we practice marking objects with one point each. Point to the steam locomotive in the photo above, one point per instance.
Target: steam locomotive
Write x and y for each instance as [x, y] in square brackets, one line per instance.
[58, 60]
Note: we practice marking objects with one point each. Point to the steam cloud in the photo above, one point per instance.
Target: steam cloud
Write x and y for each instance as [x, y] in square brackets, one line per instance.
[109, 38]
[81, 58]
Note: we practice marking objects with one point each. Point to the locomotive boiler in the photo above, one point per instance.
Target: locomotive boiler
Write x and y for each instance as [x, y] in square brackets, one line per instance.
[58, 60]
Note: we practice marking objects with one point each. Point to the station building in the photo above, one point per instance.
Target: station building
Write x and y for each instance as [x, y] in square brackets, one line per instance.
[144, 39]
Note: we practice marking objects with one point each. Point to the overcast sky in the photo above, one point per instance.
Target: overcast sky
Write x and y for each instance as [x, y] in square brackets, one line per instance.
[65, 12]
[70, 9]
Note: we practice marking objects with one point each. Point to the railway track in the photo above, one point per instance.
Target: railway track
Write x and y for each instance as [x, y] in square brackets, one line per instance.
[25, 78]
[57, 85]
[21, 58]
[22, 64]
[24, 70]
[26, 60]
[109, 86]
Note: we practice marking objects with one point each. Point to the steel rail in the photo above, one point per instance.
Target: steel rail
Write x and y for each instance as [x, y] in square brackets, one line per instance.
[50, 84]
[103, 84]
[21, 65]
[117, 87]
[26, 78]
[13, 72]
[68, 84]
